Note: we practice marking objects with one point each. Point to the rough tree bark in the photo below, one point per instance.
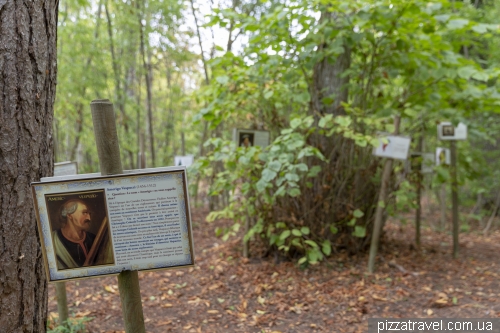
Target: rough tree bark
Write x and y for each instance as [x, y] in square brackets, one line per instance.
[28, 33]
[346, 183]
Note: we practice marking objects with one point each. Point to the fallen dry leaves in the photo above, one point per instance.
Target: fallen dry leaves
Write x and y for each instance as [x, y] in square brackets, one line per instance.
[228, 293]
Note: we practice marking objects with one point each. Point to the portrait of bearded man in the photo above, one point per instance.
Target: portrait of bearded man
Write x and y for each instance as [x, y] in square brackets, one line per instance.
[74, 245]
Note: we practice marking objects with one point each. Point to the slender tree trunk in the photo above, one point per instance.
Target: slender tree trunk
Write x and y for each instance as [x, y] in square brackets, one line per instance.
[207, 80]
[183, 144]
[117, 75]
[479, 204]
[147, 75]
[170, 115]
[27, 91]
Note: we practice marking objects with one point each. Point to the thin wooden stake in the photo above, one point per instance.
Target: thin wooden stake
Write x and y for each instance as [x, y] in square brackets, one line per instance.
[106, 137]
[442, 208]
[454, 196]
[418, 213]
[246, 245]
[379, 212]
[62, 302]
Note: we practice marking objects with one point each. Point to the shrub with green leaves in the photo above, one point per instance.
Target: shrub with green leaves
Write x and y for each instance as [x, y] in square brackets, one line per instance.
[314, 189]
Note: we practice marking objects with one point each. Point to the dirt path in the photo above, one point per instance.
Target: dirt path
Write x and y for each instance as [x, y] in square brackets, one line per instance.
[228, 293]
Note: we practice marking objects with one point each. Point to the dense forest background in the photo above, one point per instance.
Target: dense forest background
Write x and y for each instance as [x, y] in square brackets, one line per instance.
[323, 77]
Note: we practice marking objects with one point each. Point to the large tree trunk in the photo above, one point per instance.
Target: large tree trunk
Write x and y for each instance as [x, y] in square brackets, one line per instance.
[328, 80]
[345, 183]
[27, 92]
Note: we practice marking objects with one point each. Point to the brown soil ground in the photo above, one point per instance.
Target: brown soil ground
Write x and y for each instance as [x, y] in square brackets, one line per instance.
[225, 292]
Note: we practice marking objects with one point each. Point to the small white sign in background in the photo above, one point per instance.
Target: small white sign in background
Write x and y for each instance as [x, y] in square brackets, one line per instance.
[396, 147]
[446, 131]
[184, 160]
[443, 156]
[65, 169]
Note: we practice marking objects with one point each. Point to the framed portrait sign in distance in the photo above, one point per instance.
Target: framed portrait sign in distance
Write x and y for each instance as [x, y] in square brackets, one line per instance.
[101, 225]
[448, 132]
[250, 138]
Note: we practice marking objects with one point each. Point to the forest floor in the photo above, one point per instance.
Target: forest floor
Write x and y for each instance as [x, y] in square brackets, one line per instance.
[225, 292]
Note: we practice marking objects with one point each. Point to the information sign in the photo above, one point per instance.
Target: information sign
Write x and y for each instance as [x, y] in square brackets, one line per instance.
[392, 146]
[184, 160]
[249, 138]
[443, 156]
[446, 131]
[101, 225]
[65, 168]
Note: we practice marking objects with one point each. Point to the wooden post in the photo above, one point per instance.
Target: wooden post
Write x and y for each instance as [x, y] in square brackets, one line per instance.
[454, 196]
[379, 212]
[62, 302]
[442, 207]
[106, 137]
[245, 243]
[418, 213]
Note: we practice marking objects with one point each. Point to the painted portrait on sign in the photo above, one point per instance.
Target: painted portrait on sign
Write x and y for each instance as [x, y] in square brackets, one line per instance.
[80, 229]
[448, 130]
[246, 139]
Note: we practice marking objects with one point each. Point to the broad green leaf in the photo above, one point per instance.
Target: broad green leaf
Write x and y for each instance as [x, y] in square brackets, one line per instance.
[359, 231]
[301, 167]
[268, 94]
[311, 243]
[261, 185]
[296, 242]
[296, 232]
[457, 24]
[222, 79]
[285, 234]
[481, 76]
[314, 171]
[292, 177]
[295, 122]
[281, 225]
[302, 260]
[442, 18]
[466, 72]
[305, 230]
[294, 192]
[326, 247]
[358, 213]
[268, 175]
[275, 166]
[333, 229]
